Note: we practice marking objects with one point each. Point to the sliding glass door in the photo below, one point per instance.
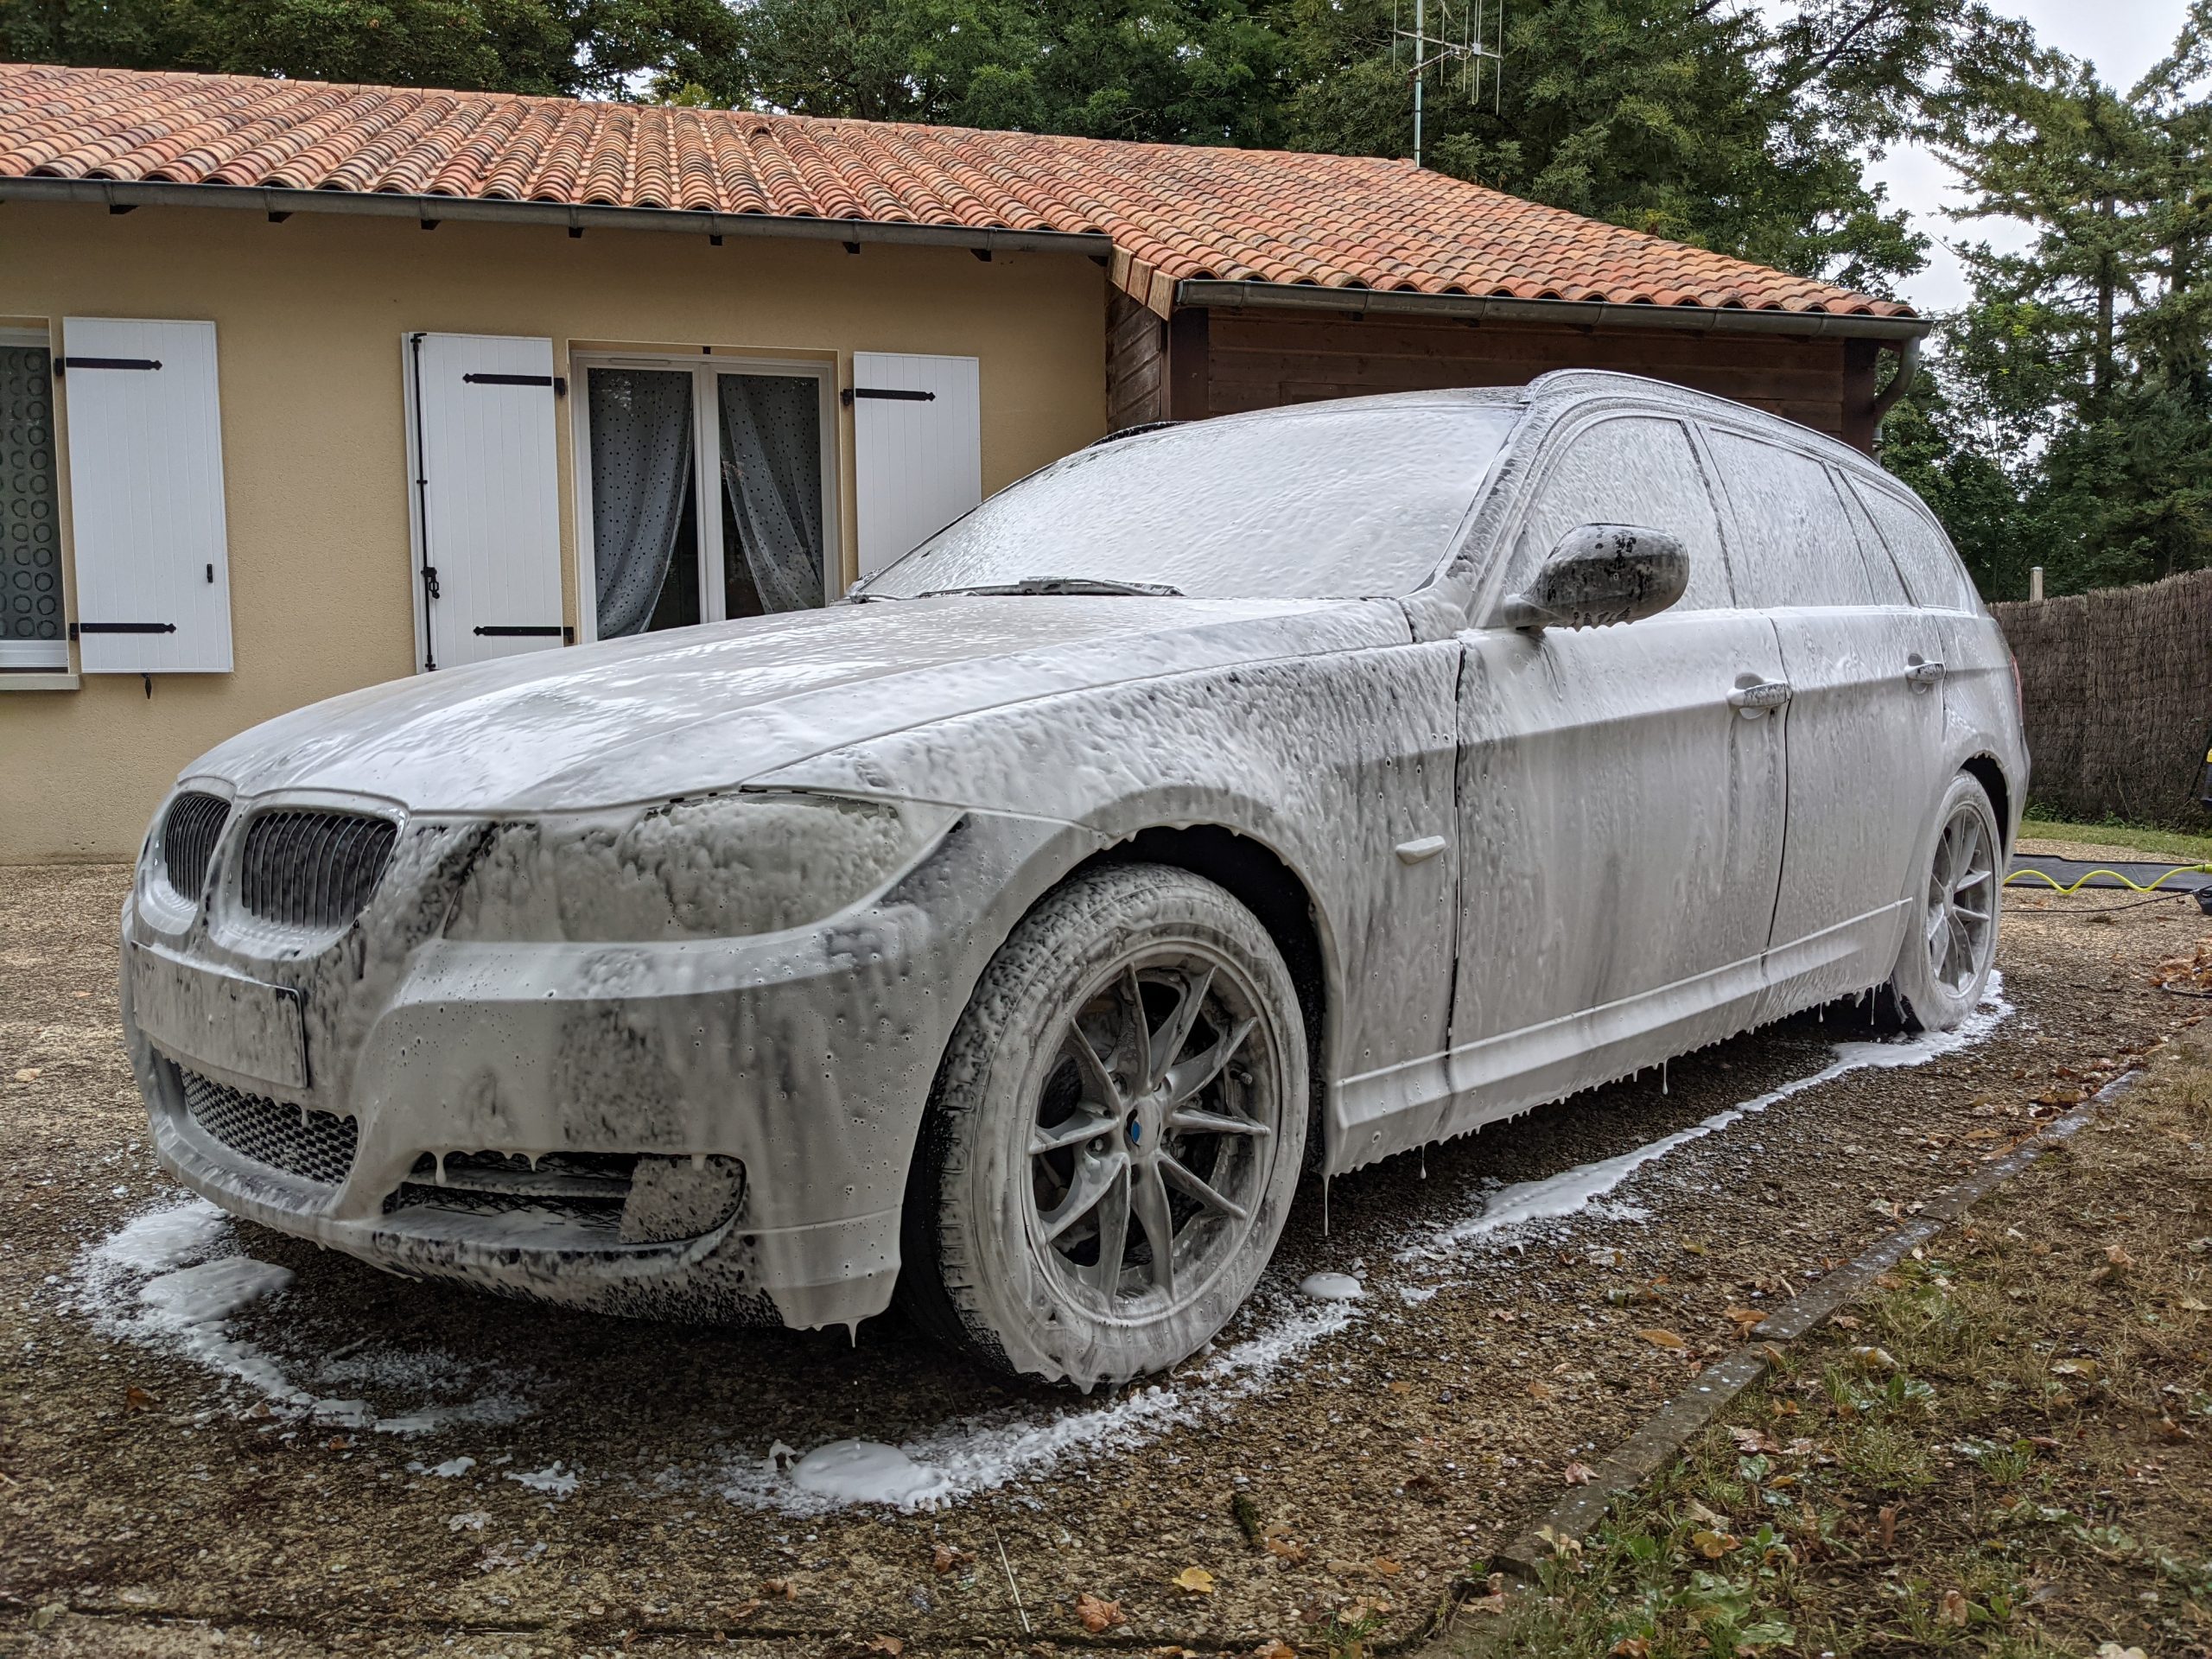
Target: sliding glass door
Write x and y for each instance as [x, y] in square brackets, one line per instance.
[707, 491]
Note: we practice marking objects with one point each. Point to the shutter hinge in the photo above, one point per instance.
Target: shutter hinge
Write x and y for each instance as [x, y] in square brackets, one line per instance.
[500, 630]
[890, 393]
[431, 582]
[63, 364]
[79, 628]
[559, 382]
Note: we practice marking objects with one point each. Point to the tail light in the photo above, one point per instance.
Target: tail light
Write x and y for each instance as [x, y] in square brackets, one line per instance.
[2019, 698]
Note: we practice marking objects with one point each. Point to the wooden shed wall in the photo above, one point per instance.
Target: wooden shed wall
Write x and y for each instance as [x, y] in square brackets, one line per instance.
[1220, 362]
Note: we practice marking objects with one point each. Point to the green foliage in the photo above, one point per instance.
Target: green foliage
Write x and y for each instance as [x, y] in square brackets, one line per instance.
[2070, 422]
[590, 48]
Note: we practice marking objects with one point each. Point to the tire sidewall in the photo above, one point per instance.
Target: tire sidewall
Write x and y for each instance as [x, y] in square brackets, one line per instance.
[1929, 1006]
[997, 1275]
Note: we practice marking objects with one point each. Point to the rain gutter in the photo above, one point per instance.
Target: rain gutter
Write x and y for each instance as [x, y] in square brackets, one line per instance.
[119, 195]
[1579, 314]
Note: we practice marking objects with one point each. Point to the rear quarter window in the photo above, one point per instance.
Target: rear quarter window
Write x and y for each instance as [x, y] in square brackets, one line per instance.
[1931, 570]
[1794, 544]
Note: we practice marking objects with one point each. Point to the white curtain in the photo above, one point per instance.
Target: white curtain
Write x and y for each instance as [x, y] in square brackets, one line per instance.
[772, 468]
[640, 475]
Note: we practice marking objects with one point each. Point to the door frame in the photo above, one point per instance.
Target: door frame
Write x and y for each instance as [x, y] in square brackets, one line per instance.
[706, 446]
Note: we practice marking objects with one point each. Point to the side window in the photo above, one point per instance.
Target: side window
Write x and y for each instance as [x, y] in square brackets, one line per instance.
[1881, 571]
[1795, 545]
[1634, 469]
[1931, 570]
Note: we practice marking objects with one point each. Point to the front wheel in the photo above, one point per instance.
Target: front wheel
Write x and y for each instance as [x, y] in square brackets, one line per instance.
[1950, 948]
[1115, 1135]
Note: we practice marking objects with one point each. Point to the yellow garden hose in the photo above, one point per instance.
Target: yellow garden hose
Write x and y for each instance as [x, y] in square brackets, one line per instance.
[2074, 887]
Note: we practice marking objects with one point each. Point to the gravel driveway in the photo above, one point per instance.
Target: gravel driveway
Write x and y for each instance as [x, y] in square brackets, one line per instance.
[212, 1435]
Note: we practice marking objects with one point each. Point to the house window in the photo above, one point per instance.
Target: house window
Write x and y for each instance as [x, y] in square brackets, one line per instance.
[707, 491]
[34, 632]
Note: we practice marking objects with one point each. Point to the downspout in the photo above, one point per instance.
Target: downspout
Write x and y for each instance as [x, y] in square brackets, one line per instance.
[1900, 382]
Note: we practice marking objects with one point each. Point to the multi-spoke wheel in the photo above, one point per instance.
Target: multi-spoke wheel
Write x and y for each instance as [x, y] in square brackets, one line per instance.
[1949, 952]
[1116, 1132]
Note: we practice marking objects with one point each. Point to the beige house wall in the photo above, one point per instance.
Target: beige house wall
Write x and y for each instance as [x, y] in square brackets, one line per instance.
[309, 316]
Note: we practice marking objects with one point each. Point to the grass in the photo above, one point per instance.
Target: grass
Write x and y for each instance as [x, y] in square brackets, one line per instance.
[2007, 1450]
[2182, 848]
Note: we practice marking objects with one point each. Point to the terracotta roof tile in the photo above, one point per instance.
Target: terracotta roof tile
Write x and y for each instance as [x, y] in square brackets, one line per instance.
[1172, 211]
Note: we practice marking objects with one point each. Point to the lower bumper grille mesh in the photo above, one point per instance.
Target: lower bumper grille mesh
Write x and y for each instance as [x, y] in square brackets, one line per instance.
[315, 1146]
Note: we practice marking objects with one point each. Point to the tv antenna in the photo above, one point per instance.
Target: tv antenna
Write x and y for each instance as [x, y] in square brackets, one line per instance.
[1460, 47]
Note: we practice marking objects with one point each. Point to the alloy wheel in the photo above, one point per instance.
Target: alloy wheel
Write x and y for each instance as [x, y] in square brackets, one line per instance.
[1961, 922]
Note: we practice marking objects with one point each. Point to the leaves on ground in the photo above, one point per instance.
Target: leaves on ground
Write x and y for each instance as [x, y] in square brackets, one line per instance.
[1195, 1579]
[1097, 1614]
[1662, 1338]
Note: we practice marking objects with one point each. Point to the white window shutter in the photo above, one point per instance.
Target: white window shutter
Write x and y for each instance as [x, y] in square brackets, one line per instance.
[145, 437]
[484, 496]
[918, 451]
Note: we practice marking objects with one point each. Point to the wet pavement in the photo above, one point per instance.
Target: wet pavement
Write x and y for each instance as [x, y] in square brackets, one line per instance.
[213, 1435]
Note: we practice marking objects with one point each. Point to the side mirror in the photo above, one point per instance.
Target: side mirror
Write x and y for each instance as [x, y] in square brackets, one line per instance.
[1603, 573]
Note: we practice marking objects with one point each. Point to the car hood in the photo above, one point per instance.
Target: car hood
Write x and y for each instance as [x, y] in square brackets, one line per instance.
[666, 713]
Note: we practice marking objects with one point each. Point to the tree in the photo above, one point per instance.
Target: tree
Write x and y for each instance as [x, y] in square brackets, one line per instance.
[592, 48]
[2079, 370]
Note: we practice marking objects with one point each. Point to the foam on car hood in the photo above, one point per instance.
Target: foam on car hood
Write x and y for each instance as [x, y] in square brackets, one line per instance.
[664, 714]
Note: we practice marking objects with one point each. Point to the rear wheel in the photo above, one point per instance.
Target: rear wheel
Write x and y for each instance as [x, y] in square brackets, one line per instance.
[1950, 949]
[1115, 1135]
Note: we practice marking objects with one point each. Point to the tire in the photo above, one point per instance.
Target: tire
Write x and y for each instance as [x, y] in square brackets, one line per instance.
[1948, 951]
[1049, 1133]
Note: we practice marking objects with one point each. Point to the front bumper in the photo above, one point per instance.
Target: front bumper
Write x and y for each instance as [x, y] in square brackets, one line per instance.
[803, 1059]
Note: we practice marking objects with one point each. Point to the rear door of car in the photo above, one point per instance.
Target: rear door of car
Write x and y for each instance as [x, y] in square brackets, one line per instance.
[1620, 819]
[1862, 725]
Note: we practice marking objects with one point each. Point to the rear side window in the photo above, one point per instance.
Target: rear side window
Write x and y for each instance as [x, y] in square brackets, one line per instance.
[1634, 469]
[1881, 571]
[1931, 570]
[1796, 544]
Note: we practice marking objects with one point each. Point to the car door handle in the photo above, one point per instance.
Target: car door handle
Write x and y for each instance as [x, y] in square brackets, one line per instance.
[1757, 697]
[1419, 852]
[1919, 672]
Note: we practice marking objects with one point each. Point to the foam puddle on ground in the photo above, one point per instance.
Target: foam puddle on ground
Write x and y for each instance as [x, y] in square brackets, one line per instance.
[171, 1279]
[965, 1458]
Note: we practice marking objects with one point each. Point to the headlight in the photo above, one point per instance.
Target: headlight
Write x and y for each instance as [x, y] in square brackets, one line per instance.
[716, 868]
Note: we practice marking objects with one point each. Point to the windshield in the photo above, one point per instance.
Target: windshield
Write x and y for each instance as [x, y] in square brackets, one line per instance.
[1330, 505]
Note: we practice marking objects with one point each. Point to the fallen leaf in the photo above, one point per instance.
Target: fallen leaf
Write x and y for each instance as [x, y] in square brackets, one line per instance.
[1691, 1246]
[1952, 1609]
[1885, 1525]
[1274, 1648]
[2191, 1304]
[1096, 1614]
[744, 1610]
[1577, 1473]
[1844, 1321]
[890, 1646]
[1700, 1513]
[1713, 1545]
[946, 1557]
[1631, 1647]
[1874, 1359]
[1745, 1320]
[1538, 1391]
[2084, 1369]
[340, 1443]
[1750, 1442]
[1402, 1386]
[1663, 1339]
[1196, 1579]
[1386, 1567]
[137, 1398]
[27, 1074]
[2119, 1258]
[1277, 1541]
[2113, 1650]
[778, 1590]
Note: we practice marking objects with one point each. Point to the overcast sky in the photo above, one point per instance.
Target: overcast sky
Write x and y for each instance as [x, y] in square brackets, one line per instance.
[2123, 38]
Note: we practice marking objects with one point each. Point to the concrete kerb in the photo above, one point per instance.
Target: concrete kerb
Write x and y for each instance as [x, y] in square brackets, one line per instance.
[1667, 1431]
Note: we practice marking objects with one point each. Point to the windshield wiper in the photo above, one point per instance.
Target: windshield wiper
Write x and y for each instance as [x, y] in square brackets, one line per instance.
[1062, 585]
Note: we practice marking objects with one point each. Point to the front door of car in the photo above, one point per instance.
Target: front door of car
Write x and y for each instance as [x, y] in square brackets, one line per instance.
[1863, 721]
[1620, 818]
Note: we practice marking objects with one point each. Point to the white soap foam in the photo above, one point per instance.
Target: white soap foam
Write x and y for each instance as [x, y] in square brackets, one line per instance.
[867, 1471]
[173, 1278]
[1573, 1192]
[552, 1479]
[1331, 1287]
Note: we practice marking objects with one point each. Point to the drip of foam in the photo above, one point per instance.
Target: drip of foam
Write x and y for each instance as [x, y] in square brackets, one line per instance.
[1331, 1287]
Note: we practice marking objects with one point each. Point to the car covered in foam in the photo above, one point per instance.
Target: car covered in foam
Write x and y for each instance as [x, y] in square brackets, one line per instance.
[1223, 803]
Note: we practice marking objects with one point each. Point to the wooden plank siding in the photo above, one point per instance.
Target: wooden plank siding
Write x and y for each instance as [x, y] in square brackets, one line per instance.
[1136, 363]
[1222, 361]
